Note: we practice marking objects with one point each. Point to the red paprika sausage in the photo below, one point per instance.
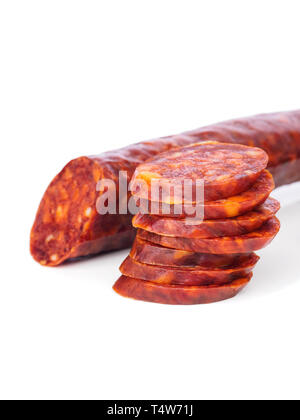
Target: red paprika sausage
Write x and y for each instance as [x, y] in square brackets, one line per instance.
[196, 276]
[183, 228]
[67, 224]
[227, 245]
[150, 253]
[220, 209]
[225, 169]
[178, 294]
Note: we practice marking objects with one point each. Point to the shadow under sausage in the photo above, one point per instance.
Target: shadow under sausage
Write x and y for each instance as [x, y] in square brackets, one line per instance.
[103, 268]
[279, 266]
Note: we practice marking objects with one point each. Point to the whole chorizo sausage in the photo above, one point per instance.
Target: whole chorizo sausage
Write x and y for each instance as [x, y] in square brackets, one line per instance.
[67, 223]
[277, 134]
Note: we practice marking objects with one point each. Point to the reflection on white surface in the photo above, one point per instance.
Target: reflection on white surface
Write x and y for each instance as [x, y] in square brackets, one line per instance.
[288, 194]
[279, 266]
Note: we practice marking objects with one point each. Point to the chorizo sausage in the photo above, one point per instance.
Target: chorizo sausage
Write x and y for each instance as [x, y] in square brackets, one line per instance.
[277, 134]
[178, 294]
[197, 276]
[240, 225]
[221, 209]
[150, 253]
[64, 228]
[67, 223]
[225, 169]
[227, 245]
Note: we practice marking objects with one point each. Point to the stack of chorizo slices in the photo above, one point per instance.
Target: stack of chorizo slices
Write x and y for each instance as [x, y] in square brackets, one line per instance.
[178, 259]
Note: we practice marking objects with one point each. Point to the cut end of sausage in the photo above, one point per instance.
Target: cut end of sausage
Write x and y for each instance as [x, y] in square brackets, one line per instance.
[66, 213]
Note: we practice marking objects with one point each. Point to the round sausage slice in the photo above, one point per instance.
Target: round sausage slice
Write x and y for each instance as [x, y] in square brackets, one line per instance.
[197, 276]
[225, 169]
[153, 254]
[227, 245]
[177, 294]
[219, 209]
[208, 228]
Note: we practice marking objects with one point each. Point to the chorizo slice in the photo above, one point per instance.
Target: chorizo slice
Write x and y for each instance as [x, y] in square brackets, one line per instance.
[177, 294]
[225, 169]
[196, 276]
[153, 254]
[240, 225]
[220, 209]
[227, 245]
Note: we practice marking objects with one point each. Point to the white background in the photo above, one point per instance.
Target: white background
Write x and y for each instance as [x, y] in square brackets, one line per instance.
[82, 77]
